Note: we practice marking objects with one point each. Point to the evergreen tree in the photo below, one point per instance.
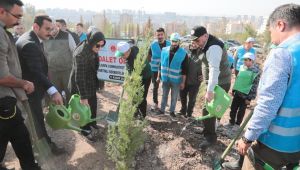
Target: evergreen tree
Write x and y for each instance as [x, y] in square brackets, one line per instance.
[127, 136]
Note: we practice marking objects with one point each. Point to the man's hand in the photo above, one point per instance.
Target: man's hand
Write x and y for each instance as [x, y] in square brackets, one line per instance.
[28, 87]
[209, 96]
[242, 147]
[158, 80]
[57, 99]
[200, 78]
[84, 102]
[182, 86]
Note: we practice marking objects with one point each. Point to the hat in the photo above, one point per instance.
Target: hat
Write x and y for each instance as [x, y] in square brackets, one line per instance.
[175, 37]
[250, 39]
[250, 56]
[122, 47]
[197, 32]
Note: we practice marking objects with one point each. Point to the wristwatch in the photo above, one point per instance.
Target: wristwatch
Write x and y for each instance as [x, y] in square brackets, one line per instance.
[246, 141]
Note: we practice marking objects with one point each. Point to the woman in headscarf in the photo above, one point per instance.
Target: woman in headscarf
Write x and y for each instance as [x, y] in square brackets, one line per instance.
[83, 78]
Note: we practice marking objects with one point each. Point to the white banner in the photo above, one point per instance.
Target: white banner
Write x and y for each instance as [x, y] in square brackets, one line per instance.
[111, 68]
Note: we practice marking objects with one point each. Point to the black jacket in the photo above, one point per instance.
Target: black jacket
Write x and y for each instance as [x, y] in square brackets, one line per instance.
[83, 78]
[33, 62]
[146, 72]
[75, 36]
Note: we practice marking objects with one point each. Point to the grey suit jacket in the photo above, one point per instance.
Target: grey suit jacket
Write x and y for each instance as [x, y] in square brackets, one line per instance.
[9, 64]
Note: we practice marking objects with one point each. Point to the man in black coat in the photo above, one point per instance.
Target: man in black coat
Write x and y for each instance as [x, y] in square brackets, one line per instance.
[35, 69]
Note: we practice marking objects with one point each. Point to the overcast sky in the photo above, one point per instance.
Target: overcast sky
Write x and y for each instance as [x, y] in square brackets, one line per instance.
[184, 7]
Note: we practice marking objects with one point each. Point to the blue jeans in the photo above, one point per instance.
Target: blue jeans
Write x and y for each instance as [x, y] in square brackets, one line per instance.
[167, 86]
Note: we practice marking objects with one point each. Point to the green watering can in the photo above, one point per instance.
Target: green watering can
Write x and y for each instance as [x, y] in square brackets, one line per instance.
[76, 116]
[218, 106]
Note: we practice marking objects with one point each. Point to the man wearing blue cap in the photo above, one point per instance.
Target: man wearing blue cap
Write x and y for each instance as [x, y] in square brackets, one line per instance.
[241, 51]
[172, 72]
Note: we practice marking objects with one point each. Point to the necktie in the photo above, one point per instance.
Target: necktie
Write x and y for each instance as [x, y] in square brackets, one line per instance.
[42, 47]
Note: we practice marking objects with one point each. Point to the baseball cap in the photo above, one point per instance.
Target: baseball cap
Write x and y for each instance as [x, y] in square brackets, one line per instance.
[175, 37]
[197, 32]
[250, 39]
[122, 47]
[250, 56]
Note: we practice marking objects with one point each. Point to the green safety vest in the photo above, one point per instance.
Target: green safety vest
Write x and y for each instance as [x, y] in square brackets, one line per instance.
[244, 80]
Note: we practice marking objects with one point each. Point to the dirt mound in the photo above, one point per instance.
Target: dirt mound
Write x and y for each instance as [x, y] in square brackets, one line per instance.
[171, 144]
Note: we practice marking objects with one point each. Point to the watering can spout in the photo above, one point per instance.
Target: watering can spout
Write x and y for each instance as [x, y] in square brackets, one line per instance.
[102, 117]
[72, 127]
[204, 117]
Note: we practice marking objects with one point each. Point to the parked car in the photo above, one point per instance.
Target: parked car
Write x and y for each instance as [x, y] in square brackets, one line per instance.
[234, 42]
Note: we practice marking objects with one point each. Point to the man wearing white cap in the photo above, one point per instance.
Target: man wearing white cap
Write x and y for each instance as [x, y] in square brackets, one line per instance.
[172, 72]
[241, 51]
[129, 54]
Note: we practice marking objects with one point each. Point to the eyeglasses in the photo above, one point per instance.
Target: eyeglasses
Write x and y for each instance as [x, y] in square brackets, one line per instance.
[98, 46]
[247, 59]
[175, 41]
[14, 15]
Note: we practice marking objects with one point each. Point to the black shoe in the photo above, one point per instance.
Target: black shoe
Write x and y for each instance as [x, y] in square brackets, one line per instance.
[56, 150]
[160, 112]
[2, 167]
[205, 144]
[90, 135]
[172, 114]
[180, 113]
[233, 165]
[188, 115]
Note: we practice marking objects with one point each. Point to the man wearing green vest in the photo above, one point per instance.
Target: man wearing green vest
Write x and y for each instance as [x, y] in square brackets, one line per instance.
[215, 70]
[275, 124]
[59, 51]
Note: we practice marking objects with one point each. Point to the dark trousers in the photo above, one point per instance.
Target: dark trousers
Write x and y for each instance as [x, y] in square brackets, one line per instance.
[209, 130]
[93, 105]
[143, 106]
[101, 84]
[190, 91]
[238, 109]
[274, 158]
[15, 132]
[35, 102]
[155, 87]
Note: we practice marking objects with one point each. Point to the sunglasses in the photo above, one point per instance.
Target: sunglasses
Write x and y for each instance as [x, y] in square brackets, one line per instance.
[14, 15]
[100, 45]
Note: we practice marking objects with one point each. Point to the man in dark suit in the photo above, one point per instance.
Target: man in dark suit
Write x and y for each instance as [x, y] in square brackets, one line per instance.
[35, 69]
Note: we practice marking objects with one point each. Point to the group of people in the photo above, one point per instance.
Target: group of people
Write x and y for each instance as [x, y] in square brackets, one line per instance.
[51, 59]
[47, 59]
